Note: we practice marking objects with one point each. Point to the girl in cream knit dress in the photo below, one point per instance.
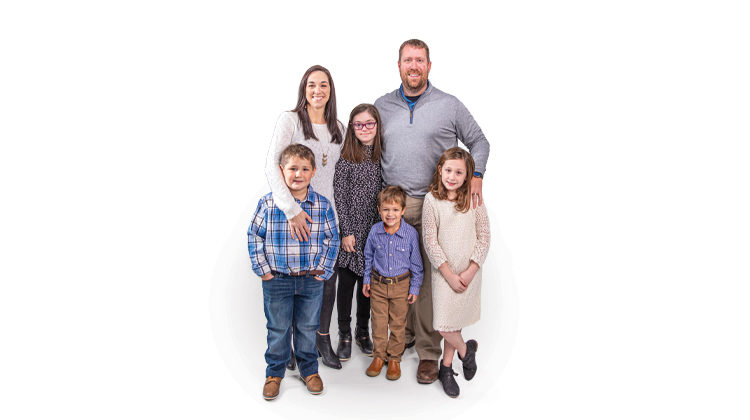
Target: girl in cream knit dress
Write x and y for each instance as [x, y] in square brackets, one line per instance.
[456, 240]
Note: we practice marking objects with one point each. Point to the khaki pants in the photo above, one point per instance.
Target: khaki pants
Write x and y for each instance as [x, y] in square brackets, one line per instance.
[388, 306]
[419, 317]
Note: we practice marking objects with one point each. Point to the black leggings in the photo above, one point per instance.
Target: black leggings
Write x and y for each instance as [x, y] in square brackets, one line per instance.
[348, 281]
[326, 308]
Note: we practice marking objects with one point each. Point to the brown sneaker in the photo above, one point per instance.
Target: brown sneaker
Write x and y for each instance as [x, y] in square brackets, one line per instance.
[314, 383]
[427, 371]
[271, 388]
[394, 370]
[375, 367]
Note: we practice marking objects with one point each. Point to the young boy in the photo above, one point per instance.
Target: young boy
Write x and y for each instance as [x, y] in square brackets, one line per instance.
[392, 276]
[292, 271]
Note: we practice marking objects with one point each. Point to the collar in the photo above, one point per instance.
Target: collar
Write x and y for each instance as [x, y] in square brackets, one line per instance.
[399, 232]
[403, 95]
[310, 195]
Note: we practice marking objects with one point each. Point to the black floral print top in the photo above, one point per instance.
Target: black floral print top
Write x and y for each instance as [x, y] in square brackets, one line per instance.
[355, 188]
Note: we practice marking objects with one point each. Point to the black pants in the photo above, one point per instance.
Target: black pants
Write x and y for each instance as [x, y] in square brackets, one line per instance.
[326, 308]
[348, 281]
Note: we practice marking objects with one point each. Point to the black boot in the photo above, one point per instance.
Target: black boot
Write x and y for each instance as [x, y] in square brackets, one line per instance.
[323, 344]
[362, 336]
[469, 360]
[292, 362]
[446, 375]
[344, 350]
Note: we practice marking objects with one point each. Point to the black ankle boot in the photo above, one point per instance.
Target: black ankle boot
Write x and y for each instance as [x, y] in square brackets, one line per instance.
[344, 350]
[292, 362]
[362, 336]
[323, 344]
[446, 375]
[469, 360]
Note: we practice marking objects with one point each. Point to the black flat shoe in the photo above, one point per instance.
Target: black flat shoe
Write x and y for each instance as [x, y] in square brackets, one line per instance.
[344, 350]
[469, 360]
[323, 344]
[445, 375]
[362, 337]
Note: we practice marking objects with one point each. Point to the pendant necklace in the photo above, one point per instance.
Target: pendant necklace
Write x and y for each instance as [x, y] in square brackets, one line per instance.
[325, 154]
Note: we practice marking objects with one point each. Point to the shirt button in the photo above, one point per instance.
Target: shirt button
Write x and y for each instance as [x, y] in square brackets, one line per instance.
[390, 255]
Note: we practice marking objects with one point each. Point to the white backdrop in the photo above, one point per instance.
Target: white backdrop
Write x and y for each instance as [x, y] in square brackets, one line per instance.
[133, 139]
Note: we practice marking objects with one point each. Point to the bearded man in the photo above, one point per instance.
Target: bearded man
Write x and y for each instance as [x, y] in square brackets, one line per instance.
[419, 123]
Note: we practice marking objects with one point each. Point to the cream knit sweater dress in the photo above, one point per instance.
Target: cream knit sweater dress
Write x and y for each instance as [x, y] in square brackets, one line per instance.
[457, 238]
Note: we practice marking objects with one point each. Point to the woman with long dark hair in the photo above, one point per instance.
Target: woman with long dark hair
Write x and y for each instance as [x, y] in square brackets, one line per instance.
[313, 123]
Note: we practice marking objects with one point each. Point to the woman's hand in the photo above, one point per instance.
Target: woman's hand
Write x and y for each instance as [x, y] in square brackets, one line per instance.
[366, 290]
[298, 226]
[347, 243]
[411, 299]
[318, 278]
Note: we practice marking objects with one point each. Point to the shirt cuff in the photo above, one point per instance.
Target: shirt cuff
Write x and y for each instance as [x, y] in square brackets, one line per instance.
[414, 289]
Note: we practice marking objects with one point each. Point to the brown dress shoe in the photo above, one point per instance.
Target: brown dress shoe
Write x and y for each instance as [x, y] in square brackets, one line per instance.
[375, 367]
[427, 371]
[394, 370]
[271, 387]
[314, 383]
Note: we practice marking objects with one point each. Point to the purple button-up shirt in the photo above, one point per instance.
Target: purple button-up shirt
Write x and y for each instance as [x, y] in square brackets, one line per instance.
[393, 255]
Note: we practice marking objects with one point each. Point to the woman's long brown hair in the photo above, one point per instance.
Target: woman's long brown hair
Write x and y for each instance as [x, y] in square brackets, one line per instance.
[330, 111]
[463, 197]
[352, 150]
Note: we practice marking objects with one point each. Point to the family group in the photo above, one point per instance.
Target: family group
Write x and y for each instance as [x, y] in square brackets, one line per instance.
[387, 206]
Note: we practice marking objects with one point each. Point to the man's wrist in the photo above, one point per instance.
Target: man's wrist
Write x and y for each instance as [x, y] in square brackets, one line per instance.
[479, 175]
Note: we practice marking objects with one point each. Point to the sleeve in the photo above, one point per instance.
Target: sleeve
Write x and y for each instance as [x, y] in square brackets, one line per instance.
[472, 136]
[482, 245]
[369, 256]
[342, 192]
[417, 270]
[330, 244]
[282, 137]
[429, 233]
[256, 237]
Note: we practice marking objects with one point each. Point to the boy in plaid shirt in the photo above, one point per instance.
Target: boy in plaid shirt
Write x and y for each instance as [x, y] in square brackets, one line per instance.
[292, 271]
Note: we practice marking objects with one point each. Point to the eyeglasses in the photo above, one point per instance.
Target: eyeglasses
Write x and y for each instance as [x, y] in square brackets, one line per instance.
[359, 126]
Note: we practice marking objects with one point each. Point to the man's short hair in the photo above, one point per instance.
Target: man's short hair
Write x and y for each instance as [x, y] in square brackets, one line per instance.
[298, 151]
[414, 43]
[392, 194]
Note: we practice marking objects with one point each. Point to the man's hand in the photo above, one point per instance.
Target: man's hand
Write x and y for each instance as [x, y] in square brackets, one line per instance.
[366, 290]
[476, 192]
[411, 299]
[298, 226]
[347, 243]
[318, 278]
[266, 277]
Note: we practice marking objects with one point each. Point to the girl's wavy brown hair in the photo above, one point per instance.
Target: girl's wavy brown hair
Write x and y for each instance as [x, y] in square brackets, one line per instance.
[463, 197]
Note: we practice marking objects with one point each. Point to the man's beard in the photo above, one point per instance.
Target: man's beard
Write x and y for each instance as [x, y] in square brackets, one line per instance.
[415, 84]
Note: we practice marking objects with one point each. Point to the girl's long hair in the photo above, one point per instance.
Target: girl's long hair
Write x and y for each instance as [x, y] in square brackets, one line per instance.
[352, 149]
[463, 197]
[330, 110]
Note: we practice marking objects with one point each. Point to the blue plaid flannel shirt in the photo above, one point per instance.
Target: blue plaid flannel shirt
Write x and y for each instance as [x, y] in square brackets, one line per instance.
[272, 248]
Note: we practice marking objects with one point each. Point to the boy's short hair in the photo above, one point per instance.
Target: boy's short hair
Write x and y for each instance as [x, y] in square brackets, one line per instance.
[299, 151]
[392, 194]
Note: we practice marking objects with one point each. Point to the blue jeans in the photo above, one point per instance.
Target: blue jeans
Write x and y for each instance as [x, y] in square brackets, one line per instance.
[292, 302]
